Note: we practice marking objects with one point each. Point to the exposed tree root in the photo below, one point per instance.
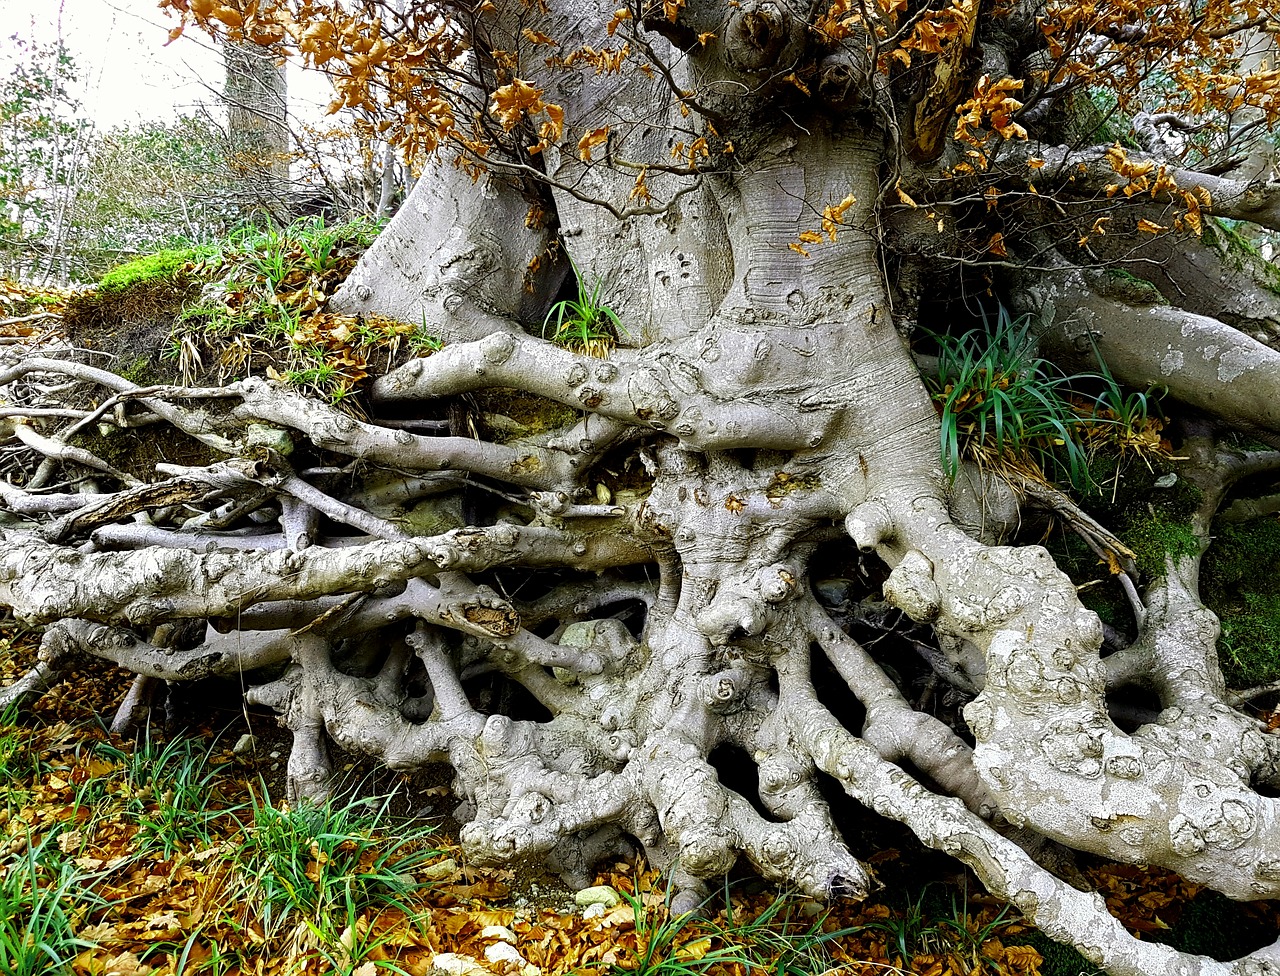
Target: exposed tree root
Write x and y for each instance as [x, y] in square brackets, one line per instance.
[584, 621]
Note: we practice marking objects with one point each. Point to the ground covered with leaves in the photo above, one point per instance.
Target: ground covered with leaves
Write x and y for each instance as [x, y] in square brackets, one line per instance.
[167, 851]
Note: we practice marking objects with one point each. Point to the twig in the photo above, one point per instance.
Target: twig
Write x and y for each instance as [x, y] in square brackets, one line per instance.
[1248, 694]
[30, 318]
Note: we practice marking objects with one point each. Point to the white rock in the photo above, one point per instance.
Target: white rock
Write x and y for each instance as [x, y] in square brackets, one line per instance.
[597, 895]
[440, 870]
[452, 964]
[501, 952]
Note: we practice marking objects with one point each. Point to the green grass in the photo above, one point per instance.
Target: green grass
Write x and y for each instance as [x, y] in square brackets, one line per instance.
[41, 897]
[585, 323]
[170, 790]
[995, 393]
[311, 862]
[19, 763]
[675, 945]
[783, 938]
[261, 287]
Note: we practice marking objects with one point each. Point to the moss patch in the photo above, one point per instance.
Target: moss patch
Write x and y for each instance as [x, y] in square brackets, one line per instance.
[1211, 924]
[1242, 252]
[1240, 582]
[1155, 536]
[1150, 520]
[168, 265]
[533, 414]
[1058, 959]
[1124, 286]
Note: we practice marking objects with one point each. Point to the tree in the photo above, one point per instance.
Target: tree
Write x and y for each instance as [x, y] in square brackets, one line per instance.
[620, 590]
[42, 146]
[256, 93]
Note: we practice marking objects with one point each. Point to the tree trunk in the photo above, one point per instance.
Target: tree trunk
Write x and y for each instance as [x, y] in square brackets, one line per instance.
[256, 93]
[653, 569]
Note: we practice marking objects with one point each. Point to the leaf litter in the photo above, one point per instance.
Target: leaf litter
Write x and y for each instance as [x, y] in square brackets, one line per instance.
[75, 802]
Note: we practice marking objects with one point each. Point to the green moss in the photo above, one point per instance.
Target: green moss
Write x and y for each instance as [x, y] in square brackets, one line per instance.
[138, 371]
[534, 414]
[1122, 285]
[1213, 925]
[1241, 550]
[1240, 582]
[1224, 236]
[1152, 521]
[1155, 536]
[1232, 240]
[163, 265]
[1059, 959]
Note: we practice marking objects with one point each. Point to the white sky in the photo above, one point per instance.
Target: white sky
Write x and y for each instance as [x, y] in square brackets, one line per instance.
[127, 74]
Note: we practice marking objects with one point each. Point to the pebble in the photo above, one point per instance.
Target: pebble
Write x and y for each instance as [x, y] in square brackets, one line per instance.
[440, 870]
[245, 744]
[501, 952]
[456, 965]
[833, 592]
[597, 895]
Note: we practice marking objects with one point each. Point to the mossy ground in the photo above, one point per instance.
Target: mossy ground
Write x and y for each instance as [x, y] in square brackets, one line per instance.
[1240, 571]
[1240, 580]
[168, 265]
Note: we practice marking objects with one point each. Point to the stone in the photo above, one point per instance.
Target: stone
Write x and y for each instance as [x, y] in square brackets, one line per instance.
[597, 895]
[440, 870]
[453, 964]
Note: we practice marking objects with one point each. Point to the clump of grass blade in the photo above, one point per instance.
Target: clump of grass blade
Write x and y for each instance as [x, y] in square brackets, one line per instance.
[1001, 403]
[310, 861]
[41, 901]
[585, 323]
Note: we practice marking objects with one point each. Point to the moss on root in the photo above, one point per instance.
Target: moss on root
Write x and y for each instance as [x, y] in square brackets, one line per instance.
[1153, 521]
[1157, 536]
[527, 413]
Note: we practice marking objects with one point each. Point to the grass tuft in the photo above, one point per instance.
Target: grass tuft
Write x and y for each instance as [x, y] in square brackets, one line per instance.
[1002, 404]
[584, 324]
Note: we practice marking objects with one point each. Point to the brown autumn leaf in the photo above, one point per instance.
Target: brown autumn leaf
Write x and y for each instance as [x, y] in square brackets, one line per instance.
[594, 138]
[512, 102]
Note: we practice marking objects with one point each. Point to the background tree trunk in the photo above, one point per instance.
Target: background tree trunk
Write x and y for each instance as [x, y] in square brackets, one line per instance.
[256, 95]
